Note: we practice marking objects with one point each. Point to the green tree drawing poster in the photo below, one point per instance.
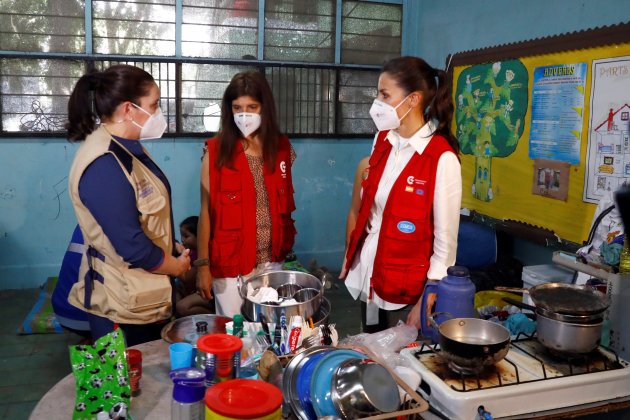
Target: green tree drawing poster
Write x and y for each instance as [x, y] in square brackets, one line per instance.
[490, 107]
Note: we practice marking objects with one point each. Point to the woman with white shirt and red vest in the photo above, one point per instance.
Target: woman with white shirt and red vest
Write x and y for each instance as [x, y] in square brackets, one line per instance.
[245, 225]
[406, 229]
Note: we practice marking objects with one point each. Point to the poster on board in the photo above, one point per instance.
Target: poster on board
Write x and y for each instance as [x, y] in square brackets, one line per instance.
[608, 153]
[557, 108]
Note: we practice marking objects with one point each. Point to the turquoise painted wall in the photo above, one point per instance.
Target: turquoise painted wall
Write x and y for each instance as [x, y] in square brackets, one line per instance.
[36, 218]
[450, 26]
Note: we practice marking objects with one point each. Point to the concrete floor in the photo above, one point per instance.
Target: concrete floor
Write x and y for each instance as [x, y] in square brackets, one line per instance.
[31, 364]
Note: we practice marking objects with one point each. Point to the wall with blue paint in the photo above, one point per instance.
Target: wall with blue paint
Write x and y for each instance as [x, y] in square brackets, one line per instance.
[36, 218]
[450, 26]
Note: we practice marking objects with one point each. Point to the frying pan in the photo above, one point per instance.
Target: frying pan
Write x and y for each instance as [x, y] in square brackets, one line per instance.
[565, 298]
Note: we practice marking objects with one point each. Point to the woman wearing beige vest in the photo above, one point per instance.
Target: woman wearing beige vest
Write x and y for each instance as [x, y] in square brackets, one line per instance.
[123, 204]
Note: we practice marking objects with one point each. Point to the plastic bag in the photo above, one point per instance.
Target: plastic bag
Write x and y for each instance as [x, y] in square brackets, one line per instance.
[102, 379]
[607, 224]
[392, 339]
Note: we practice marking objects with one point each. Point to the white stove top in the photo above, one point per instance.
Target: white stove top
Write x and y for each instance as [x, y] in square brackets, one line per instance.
[528, 380]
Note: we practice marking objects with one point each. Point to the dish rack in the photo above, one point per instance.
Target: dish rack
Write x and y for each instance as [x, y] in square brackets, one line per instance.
[413, 403]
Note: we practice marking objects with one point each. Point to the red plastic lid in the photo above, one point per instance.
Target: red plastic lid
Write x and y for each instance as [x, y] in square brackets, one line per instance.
[219, 344]
[243, 398]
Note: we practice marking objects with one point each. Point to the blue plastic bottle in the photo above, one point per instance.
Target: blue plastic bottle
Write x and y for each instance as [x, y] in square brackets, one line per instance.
[455, 295]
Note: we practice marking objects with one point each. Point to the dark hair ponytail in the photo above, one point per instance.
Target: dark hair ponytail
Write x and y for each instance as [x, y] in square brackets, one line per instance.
[81, 117]
[98, 94]
[441, 109]
[414, 74]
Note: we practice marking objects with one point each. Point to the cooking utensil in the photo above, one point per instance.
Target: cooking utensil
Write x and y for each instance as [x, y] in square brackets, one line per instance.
[567, 337]
[178, 330]
[253, 310]
[577, 319]
[565, 298]
[287, 290]
[470, 344]
[361, 388]
[558, 333]
[289, 380]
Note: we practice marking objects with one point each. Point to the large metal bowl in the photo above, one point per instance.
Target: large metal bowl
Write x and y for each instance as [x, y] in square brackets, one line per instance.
[252, 310]
[181, 329]
[362, 388]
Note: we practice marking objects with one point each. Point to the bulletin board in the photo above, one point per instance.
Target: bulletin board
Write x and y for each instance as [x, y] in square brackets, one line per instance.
[508, 171]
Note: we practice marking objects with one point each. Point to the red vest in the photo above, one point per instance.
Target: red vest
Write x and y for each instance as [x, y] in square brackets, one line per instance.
[405, 243]
[232, 205]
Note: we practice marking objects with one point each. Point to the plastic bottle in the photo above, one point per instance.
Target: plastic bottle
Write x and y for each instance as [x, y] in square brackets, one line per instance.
[192, 338]
[624, 257]
[237, 328]
[188, 392]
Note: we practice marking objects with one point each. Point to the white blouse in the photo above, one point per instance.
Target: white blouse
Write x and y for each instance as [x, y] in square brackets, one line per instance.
[446, 207]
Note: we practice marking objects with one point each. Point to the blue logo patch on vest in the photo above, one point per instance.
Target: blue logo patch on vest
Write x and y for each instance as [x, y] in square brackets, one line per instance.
[406, 227]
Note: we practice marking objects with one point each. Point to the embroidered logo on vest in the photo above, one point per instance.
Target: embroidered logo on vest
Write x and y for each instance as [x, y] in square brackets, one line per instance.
[406, 226]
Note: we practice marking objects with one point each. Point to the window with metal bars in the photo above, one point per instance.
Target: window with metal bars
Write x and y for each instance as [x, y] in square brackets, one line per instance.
[323, 86]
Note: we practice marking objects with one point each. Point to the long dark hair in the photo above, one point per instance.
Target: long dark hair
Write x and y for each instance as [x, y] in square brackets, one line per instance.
[254, 84]
[97, 94]
[414, 74]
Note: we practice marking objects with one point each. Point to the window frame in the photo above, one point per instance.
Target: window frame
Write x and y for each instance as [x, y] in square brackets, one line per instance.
[89, 59]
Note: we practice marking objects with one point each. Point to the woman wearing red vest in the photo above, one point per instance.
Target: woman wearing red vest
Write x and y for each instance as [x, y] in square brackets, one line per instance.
[406, 228]
[245, 225]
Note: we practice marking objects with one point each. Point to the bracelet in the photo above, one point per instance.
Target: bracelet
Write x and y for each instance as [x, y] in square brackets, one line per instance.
[201, 261]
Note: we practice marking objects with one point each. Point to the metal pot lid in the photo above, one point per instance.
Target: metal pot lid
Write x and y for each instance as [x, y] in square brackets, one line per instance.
[568, 299]
[185, 329]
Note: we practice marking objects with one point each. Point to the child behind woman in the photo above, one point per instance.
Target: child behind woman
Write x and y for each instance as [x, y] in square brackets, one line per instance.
[188, 302]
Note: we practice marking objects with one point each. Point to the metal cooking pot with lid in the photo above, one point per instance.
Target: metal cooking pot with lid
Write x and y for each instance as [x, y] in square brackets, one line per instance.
[565, 298]
[470, 344]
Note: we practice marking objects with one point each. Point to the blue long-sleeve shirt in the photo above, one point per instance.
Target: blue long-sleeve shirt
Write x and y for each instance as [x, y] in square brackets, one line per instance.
[105, 191]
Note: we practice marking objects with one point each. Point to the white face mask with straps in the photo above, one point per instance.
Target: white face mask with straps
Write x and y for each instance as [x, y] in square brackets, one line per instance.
[247, 122]
[153, 127]
[385, 116]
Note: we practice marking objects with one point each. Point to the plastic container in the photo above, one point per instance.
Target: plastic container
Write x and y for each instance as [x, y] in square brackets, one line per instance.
[134, 362]
[243, 399]
[455, 295]
[188, 394]
[533, 275]
[220, 356]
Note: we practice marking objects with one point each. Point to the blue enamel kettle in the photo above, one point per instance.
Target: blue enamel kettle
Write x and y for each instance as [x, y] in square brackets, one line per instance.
[455, 295]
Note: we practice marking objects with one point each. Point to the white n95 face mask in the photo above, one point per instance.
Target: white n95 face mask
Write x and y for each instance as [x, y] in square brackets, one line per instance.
[154, 127]
[247, 122]
[385, 116]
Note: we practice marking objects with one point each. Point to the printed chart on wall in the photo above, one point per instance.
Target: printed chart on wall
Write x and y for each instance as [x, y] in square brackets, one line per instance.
[608, 158]
[557, 109]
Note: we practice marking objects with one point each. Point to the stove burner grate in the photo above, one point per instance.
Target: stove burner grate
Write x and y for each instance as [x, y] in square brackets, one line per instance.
[507, 372]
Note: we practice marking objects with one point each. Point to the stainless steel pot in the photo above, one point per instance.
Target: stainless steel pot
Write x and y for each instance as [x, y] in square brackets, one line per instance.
[567, 337]
[576, 319]
[252, 310]
[470, 344]
[563, 333]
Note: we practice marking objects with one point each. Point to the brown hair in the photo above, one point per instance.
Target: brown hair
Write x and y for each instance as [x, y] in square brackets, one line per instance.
[414, 74]
[97, 94]
[254, 84]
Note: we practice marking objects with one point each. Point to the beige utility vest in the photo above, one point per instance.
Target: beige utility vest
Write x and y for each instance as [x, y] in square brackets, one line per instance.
[107, 286]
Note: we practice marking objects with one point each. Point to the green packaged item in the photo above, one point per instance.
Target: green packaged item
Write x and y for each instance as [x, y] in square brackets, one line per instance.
[102, 379]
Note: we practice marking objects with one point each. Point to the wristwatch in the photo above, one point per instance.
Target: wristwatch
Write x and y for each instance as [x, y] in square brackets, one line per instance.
[201, 261]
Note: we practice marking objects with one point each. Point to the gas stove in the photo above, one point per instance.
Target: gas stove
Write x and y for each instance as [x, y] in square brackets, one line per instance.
[528, 380]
